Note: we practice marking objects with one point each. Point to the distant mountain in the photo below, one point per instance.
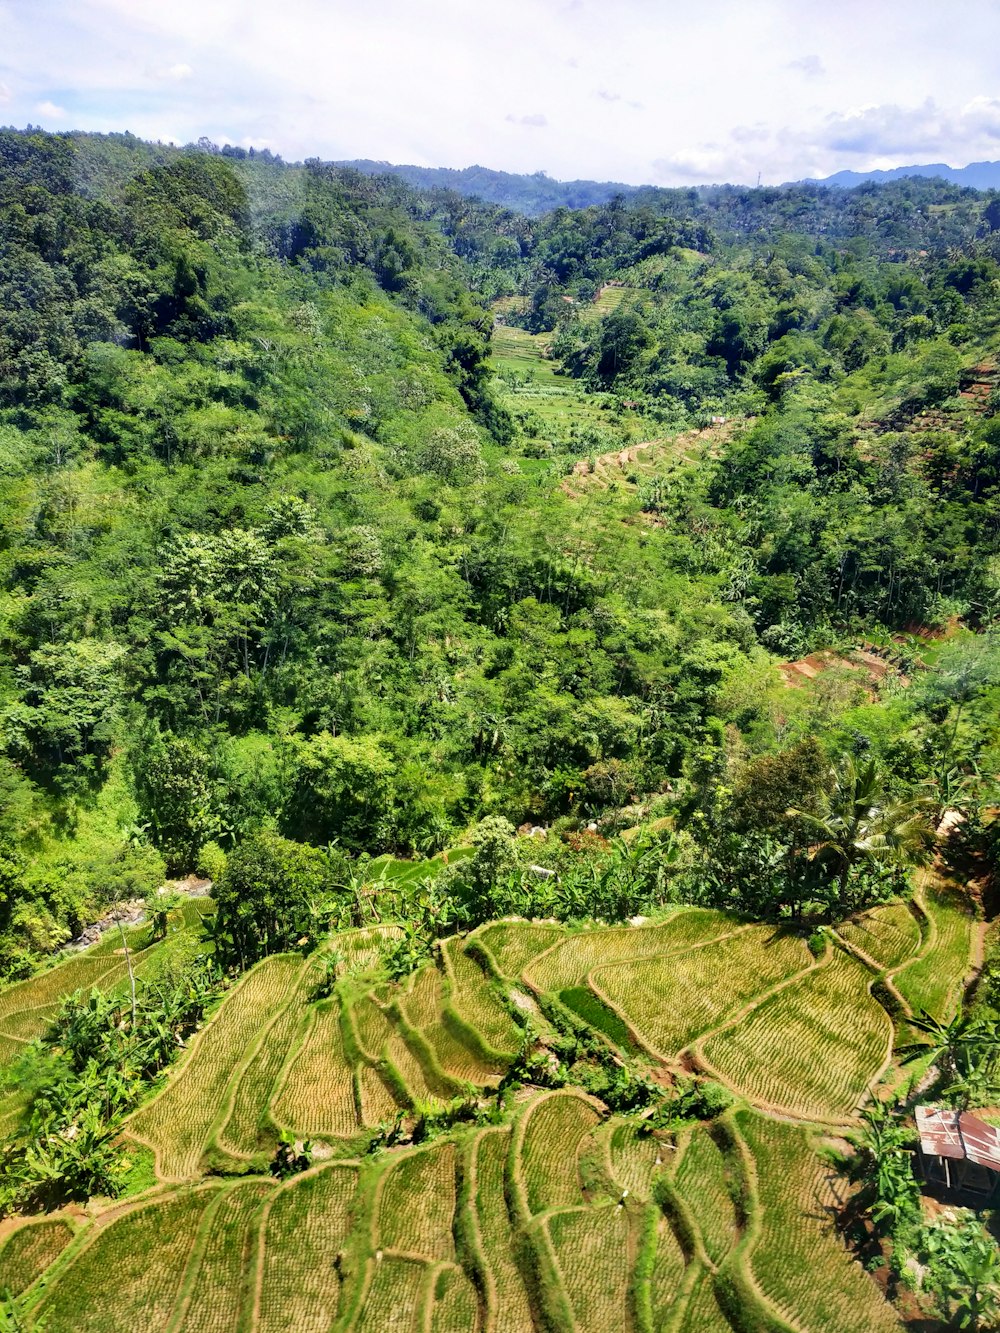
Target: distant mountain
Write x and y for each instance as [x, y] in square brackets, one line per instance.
[977, 175]
[534, 194]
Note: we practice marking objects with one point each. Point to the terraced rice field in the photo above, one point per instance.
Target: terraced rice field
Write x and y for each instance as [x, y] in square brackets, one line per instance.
[506, 1298]
[591, 1249]
[561, 1216]
[29, 1251]
[634, 1159]
[476, 1005]
[799, 1261]
[934, 981]
[326, 1251]
[27, 1007]
[395, 1296]
[220, 1273]
[509, 946]
[671, 999]
[177, 1124]
[316, 1097]
[298, 1288]
[811, 1049]
[244, 1131]
[550, 1130]
[702, 1178]
[416, 1203]
[128, 1274]
[887, 935]
[448, 1059]
[568, 962]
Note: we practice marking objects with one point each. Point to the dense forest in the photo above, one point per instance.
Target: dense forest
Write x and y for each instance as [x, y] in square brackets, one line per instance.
[346, 525]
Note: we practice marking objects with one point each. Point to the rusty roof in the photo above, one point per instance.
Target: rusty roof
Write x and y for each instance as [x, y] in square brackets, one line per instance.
[958, 1135]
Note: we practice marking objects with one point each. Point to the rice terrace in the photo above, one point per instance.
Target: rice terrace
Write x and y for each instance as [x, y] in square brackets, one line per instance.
[490, 1204]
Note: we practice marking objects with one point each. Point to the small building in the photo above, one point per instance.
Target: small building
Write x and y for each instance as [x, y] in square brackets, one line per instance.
[958, 1151]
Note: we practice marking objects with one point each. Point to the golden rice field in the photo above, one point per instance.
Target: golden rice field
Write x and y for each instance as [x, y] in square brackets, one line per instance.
[670, 999]
[372, 1245]
[812, 1048]
[557, 1215]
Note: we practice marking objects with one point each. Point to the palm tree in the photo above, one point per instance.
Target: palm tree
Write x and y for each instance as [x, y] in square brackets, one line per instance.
[966, 1050]
[861, 825]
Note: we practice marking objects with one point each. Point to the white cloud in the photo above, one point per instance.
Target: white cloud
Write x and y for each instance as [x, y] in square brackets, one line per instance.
[729, 89]
[5, 94]
[50, 111]
[535, 121]
[811, 66]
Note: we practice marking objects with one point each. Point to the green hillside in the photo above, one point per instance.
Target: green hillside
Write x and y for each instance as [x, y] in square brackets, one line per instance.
[519, 697]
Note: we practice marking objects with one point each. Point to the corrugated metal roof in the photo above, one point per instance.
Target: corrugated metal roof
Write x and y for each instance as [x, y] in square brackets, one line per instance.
[958, 1135]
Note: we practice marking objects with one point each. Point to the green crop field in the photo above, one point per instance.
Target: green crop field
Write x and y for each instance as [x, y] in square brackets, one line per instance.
[933, 982]
[316, 1096]
[218, 1289]
[130, 1273]
[559, 1216]
[304, 1227]
[501, 1276]
[549, 1130]
[245, 1128]
[474, 1002]
[416, 1203]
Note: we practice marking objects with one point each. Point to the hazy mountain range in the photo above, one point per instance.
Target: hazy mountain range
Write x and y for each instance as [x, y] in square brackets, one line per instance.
[537, 193]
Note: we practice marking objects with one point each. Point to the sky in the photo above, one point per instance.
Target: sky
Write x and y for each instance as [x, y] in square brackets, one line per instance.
[640, 91]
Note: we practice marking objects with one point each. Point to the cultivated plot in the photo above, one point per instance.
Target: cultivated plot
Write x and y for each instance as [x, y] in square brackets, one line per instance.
[670, 1000]
[813, 1048]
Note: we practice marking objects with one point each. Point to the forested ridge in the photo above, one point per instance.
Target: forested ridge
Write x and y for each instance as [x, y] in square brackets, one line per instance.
[348, 528]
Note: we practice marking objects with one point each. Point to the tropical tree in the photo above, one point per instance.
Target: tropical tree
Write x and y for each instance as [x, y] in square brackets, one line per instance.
[884, 1166]
[966, 1050]
[963, 1269]
[862, 826]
